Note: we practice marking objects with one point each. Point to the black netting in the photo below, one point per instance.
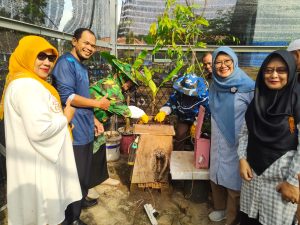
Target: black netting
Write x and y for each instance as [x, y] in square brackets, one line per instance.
[143, 98]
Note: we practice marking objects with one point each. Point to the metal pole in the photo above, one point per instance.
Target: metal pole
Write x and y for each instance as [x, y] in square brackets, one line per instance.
[38, 30]
[236, 48]
[113, 27]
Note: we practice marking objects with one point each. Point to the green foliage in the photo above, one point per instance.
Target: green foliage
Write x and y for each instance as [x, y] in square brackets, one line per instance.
[172, 73]
[108, 57]
[178, 26]
[219, 30]
[4, 13]
[148, 74]
[132, 69]
[33, 11]
[140, 59]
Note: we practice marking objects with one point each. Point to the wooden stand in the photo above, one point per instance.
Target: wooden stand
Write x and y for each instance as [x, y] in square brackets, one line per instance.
[151, 167]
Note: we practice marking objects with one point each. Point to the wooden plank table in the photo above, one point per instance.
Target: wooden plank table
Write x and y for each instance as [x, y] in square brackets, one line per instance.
[144, 161]
[152, 138]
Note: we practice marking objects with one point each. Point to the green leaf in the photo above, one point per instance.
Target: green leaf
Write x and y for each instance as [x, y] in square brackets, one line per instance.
[109, 58]
[173, 40]
[187, 37]
[156, 49]
[190, 69]
[202, 21]
[153, 88]
[200, 44]
[140, 59]
[170, 52]
[173, 73]
[149, 39]
[141, 77]
[147, 73]
[181, 30]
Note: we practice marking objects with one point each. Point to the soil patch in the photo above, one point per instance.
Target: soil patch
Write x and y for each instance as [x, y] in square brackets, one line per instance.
[120, 206]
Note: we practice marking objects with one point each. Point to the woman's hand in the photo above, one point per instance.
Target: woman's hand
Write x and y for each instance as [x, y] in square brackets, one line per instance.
[289, 192]
[69, 111]
[245, 170]
[99, 129]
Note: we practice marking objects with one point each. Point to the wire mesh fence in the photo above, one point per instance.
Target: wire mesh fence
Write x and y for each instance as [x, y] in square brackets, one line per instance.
[143, 99]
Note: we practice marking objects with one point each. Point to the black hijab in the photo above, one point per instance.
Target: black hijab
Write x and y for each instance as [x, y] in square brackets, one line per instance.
[268, 116]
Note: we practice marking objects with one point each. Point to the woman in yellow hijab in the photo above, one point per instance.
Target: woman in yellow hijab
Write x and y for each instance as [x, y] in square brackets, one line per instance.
[41, 171]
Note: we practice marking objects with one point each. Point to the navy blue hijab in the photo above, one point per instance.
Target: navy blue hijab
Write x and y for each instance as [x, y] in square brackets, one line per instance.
[222, 94]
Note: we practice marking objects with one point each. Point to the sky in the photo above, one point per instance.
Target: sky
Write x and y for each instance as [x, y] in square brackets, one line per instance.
[67, 14]
[119, 10]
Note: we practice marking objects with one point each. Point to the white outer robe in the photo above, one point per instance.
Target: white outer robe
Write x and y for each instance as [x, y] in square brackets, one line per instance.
[41, 171]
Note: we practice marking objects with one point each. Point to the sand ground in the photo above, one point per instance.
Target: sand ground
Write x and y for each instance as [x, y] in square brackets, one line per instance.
[120, 206]
[182, 204]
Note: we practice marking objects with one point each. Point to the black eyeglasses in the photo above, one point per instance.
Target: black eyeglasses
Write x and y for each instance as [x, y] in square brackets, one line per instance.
[227, 62]
[279, 70]
[42, 56]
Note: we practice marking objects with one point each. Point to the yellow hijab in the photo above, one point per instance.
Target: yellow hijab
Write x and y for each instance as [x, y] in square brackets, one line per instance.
[21, 64]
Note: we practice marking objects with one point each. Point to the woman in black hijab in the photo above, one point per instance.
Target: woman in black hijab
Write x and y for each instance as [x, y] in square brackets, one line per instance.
[268, 148]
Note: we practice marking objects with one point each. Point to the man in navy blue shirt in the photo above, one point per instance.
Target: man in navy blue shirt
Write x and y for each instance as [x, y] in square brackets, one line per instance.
[70, 77]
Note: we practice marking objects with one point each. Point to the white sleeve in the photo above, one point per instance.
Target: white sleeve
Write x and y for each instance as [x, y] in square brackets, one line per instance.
[43, 119]
[166, 109]
[243, 142]
[136, 112]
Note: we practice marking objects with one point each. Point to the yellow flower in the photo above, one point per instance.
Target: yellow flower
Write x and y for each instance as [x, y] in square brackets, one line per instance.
[153, 29]
[109, 82]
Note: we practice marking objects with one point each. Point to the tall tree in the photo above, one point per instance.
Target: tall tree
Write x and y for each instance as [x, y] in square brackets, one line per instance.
[33, 12]
[219, 30]
[4, 13]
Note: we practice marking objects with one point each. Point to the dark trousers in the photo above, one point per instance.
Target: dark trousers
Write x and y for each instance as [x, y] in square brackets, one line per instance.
[83, 158]
[245, 220]
[181, 134]
[99, 172]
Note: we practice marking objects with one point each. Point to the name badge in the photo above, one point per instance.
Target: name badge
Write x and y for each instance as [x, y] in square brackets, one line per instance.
[233, 90]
